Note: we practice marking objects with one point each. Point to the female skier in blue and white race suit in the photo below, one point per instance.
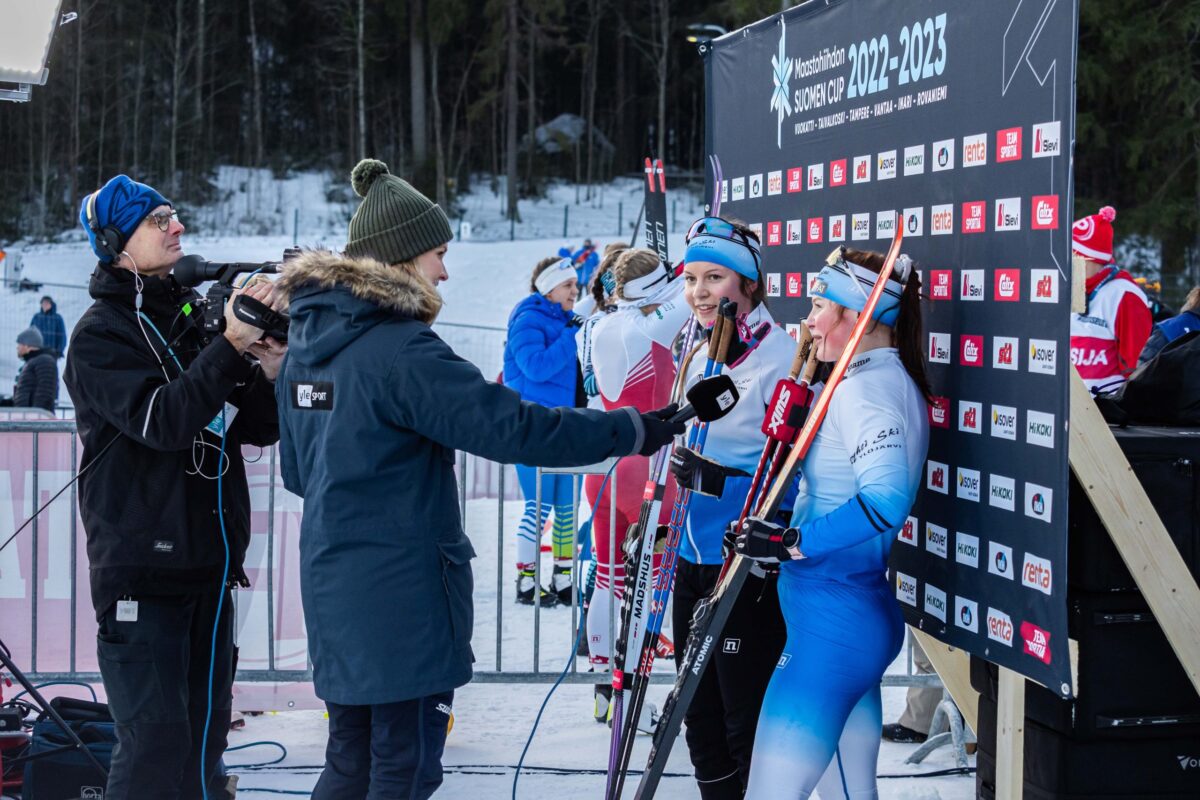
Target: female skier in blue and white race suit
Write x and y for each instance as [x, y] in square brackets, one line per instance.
[821, 718]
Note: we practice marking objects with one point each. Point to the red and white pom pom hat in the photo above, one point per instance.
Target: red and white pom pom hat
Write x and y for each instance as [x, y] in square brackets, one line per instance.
[1092, 236]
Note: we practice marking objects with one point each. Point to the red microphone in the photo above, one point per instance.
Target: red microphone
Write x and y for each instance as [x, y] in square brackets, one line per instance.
[787, 410]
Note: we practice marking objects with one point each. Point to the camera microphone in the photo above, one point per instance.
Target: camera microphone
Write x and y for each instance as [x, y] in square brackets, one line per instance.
[193, 270]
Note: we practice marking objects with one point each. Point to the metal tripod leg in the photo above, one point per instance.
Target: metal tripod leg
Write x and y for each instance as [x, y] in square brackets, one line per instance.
[958, 735]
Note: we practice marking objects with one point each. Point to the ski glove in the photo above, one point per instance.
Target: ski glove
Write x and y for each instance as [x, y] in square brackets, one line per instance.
[576, 321]
[659, 430]
[699, 474]
[739, 348]
[767, 542]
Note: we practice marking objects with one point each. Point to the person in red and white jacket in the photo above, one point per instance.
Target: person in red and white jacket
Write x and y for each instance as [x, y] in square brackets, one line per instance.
[1108, 337]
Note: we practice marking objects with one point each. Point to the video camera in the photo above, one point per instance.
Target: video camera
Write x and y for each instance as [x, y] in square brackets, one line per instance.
[194, 270]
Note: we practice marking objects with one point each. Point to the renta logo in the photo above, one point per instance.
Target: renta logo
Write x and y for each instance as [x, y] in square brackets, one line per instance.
[999, 627]
[1037, 573]
[975, 150]
[941, 220]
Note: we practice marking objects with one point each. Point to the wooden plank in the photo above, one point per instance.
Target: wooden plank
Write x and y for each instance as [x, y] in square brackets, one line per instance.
[953, 666]
[1135, 528]
[1078, 288]
[1010, 735]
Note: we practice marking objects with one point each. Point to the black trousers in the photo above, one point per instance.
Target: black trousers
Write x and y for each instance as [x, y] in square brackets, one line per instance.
[155, 672]
[723, 715]
[390, 751]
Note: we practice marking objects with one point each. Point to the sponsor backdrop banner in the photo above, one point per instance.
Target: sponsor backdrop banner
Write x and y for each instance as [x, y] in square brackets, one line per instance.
[824, 123]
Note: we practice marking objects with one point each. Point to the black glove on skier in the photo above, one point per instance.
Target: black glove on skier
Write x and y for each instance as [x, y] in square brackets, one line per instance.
[767, 542]
[739, 348]
[694, 471]
[659, 430]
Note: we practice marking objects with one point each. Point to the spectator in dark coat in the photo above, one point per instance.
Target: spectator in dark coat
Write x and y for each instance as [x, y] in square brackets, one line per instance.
[37, 380]
[50, 324]
[1171, 329]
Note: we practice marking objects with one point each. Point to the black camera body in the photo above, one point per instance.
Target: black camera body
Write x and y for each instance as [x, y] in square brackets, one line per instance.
[194, 270]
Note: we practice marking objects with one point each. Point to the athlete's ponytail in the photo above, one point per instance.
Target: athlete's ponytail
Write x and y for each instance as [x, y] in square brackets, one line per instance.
[907, 334]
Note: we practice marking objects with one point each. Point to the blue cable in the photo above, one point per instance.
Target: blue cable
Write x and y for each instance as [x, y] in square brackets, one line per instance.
[166, 344]
[212, 658]
[567, 668]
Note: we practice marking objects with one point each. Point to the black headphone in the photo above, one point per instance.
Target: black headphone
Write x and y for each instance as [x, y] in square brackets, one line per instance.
[108, 238]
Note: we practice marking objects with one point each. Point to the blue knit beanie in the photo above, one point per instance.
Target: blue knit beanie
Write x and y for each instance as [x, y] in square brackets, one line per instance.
[122, 203]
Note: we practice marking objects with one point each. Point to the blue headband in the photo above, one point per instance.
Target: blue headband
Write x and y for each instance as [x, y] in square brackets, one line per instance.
[849, 285]
[726, 253]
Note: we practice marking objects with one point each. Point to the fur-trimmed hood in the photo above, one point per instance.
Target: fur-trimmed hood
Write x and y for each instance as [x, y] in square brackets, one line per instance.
[391, 288]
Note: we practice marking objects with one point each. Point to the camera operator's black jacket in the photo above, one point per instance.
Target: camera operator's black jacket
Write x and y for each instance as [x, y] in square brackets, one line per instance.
[152, 525]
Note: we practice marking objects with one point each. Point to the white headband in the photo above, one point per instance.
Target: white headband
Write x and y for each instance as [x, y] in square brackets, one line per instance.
[646, 285]
[555, 275]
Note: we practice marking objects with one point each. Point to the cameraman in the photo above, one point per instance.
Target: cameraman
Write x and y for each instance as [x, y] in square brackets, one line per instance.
[148, 394]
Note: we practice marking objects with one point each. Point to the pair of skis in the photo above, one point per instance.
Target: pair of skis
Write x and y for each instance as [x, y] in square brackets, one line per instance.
[713, 612]
[637, 648]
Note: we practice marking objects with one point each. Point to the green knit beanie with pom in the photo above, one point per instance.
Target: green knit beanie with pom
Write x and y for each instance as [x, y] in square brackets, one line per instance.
[394, 222]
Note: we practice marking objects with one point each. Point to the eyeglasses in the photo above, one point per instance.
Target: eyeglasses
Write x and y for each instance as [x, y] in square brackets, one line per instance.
[163, 219]
[723, 229]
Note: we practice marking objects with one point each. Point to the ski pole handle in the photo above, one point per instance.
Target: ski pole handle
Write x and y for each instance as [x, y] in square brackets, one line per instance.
[804, 346]
[727, 319]
[810, 366]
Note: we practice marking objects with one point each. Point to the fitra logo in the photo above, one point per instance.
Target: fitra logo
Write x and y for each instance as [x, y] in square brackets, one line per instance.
[1045, 212]
[972, 351]
[1008, 285]
[781, 74]
[939, 412]
[837, 172]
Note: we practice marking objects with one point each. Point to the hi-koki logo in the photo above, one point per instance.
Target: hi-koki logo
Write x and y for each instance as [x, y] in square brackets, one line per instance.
[794, 287]
[974, 150]
[1008, 214]
[860, 227]
[816, 176]
[968, 484]
[795, 231]
[941, 220]
[775, 182]
[972, 284]
[815, 225]
[935, 601]
[937, 540]
[906, 589]
[1008, 286]
[942, 154]
[1000, 560]
[971, 352]
[1004, 422]
[1043, 356]
[1045, 285]
[837, 172]
[885, 165]
[914, 160]
[939, 348]
[914, 221]
[795, 179]
[1036, 641]
[1002, 492]
[1047, 139]
[973, 217]
[756, 186]
[1037, 573]
[1044, 210]
[885, 224]
[1039, 501]
[1008, 144]
[942, 284]
[908, 531]
[739, 189]
[935, 476]
[774, 233]
[968, 416]
[966, 614]
[999, 627]
[1039, 429]
[1004, 352]
[837, 228]
[862, 169]
[939, 412]
[966, 549]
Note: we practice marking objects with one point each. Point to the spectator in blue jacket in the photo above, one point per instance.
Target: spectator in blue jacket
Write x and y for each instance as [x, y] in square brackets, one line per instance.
[50, 324]
[539, 363]
[586, 260]
[1171, 329]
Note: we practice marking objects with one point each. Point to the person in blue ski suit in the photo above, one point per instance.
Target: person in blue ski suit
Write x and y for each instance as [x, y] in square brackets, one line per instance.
[540, 365]
[821, 719]
[373, 406]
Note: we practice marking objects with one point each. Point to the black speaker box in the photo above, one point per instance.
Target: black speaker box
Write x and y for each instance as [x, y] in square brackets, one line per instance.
[1166, 462]
[1060, 768]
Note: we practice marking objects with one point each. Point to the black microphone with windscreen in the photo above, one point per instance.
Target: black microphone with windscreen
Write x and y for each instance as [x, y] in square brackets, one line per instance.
[708, 400]
[194, 270]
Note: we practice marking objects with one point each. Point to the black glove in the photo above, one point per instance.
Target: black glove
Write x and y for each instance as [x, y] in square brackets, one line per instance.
[767, 542]
[739, 348]
[659, 431]
[694, 471]
[576, 321]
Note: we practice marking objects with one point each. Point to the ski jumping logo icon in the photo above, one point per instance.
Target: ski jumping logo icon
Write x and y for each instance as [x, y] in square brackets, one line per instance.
[782, 67]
